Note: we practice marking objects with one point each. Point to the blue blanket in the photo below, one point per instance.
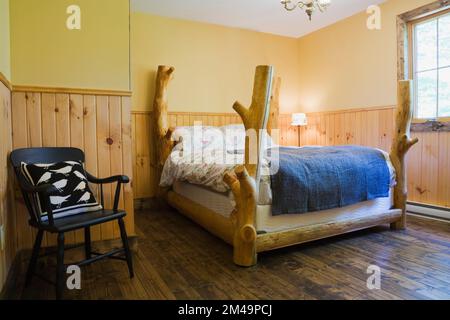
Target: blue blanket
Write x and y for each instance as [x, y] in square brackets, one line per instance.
[312, 179]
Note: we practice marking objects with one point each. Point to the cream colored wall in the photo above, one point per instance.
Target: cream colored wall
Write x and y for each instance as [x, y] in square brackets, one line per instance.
[214, 65]
[5, 62]
[45, 53]
[348, 66]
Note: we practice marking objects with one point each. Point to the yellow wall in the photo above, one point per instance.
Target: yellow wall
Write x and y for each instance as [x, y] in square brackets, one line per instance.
[45, 53]
[214, 65]
[348, 66]
[5, 63]
[342, 66]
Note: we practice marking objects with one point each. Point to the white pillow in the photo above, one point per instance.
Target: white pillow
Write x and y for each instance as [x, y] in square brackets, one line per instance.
[234, 137]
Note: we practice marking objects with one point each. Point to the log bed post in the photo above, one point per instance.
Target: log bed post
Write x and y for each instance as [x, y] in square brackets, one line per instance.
[244, 187]
[255, 117]
[243, 217]
[400, 146]
[161, 131]
[274, 113]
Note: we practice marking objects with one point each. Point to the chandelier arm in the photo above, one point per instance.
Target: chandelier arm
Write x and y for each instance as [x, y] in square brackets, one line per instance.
[299, 4]
[322, 8]
[308, 7]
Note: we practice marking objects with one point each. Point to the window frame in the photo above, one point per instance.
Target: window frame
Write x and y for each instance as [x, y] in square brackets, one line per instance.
[411, 54]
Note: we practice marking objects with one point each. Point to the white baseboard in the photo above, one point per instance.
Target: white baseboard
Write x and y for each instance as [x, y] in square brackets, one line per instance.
[429, 211]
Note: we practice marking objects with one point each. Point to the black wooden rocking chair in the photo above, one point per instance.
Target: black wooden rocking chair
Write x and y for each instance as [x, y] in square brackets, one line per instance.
[70, 223]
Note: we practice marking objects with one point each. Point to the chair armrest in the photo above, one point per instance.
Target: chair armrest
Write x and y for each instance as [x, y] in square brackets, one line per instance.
[44, 189]
[121, 179]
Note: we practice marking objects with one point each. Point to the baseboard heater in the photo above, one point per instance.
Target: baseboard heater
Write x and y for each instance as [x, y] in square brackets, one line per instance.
[428, 210]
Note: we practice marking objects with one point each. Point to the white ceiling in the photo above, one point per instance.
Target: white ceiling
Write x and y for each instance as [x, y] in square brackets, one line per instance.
[260, 15]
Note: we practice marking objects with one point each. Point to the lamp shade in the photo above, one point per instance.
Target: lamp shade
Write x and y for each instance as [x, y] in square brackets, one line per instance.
[299, 119]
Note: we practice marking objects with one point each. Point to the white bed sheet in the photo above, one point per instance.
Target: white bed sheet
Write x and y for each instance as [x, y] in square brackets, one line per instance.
[223, 204]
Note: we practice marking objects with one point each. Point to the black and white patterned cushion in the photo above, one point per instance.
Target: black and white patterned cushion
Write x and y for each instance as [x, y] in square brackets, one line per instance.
[75, 196]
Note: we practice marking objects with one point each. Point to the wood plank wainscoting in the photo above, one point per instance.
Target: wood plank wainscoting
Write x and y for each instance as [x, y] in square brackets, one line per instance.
[98, 122]
[8, 252]
[428, 161]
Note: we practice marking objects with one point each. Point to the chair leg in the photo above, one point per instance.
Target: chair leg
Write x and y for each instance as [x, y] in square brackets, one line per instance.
[87, 242]
[123, 234]
[34, 257]
[60, 267]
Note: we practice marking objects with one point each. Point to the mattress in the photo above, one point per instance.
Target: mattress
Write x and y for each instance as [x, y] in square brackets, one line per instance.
[223, 204]
[220, 203]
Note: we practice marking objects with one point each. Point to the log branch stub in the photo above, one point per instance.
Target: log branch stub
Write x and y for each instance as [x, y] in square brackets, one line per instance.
[274, 113]
[162, 134]
[401, 144]
[256, 116]
[244, 239]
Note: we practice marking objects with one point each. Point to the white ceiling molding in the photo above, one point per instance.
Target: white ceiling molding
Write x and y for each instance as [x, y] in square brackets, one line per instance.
[267, 16]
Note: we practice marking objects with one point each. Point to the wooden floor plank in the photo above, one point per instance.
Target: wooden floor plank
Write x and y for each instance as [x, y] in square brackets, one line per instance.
[177, 259]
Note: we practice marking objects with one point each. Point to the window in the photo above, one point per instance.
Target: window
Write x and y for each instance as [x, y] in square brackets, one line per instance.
[431, 66]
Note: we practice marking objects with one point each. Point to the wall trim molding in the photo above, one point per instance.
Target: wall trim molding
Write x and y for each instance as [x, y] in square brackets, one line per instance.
[334, 111]
[349, 110]
[200, 113]
[429, 210]
[95, 92]
[45, 89]
[431, 126]
[5, 81]
[425, 10]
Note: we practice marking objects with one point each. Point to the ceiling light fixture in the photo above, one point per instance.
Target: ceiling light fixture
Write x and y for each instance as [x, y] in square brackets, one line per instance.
[308, 5]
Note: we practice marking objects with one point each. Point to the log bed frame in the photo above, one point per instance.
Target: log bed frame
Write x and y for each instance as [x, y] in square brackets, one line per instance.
[239, 229]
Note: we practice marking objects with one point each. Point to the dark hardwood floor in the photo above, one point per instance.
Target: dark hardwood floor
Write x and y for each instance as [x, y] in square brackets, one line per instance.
[176, 259]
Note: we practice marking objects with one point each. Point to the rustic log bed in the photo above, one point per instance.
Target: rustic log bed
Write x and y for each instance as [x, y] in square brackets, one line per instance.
[239, 229]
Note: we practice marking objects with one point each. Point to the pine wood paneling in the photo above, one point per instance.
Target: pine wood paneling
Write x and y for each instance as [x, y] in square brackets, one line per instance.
[24, 238]
[443, 195]
[98, 124]
[49, 121]
[414, 161]
[141, 159]
[127, 161]
[429, 172]
[76, 141]
[90, 148]
[34, 130]
[115, 134]
[49, 139]
[7, 220]
[104, 157]
[428, 162]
